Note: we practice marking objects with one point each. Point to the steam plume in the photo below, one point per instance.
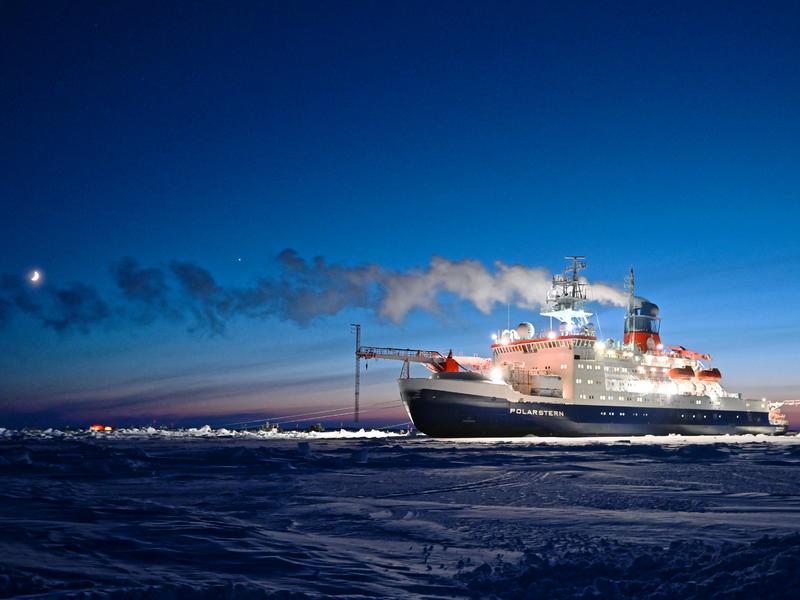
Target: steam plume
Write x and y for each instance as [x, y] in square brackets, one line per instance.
[302, 291]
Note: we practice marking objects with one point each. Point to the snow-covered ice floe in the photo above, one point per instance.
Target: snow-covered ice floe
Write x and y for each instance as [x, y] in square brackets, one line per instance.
[209, 432]
[206, 514]
[195, 432]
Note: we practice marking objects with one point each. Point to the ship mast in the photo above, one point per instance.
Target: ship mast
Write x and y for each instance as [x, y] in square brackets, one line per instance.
[567, 296]
[629, 286]
[578, 289]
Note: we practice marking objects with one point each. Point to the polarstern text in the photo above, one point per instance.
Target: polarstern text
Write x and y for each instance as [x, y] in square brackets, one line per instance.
[537, 412]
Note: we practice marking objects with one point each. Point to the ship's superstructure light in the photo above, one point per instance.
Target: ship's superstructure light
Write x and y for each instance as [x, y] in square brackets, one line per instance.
[643, 386]
[496, 375]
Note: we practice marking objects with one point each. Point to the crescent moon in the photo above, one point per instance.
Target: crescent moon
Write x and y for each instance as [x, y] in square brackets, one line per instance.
[35, 276]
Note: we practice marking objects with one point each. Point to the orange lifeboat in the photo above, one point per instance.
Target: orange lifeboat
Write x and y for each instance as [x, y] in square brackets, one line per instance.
[99, 427]
[683, 373]
[709, 375]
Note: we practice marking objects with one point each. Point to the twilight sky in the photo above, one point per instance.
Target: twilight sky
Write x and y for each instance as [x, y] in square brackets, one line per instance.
[215, 191]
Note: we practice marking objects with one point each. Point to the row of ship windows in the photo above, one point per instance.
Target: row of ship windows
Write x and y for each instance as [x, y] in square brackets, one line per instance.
[602, 397]
[537, 345]
[597, 368]
[683, 416]
[605, 368]
[590, 397]
[695, 416]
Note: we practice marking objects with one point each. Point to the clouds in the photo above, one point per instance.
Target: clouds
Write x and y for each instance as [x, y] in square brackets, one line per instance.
[308, 289]
[194, 280]
[6, 310]
[73, 307]
[139, 284]
[201, 297]
[301, 291]
[76, 306]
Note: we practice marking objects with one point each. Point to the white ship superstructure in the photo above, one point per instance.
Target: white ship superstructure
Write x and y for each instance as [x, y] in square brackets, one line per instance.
[570, 363]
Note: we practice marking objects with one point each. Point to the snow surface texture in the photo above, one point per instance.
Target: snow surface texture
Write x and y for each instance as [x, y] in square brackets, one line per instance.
[143, 513]
[193, 432]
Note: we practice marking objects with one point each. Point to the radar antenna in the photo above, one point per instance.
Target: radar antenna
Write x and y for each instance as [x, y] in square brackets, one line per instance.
[578, 288]
[567, 296]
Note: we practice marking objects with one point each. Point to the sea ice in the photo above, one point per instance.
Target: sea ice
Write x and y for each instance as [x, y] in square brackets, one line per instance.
[208, 513]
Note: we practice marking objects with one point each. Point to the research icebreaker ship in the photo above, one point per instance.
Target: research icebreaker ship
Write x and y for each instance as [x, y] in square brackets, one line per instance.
[567, 382]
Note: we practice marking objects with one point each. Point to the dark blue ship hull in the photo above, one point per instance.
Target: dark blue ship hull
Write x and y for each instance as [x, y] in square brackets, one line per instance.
[448, 414]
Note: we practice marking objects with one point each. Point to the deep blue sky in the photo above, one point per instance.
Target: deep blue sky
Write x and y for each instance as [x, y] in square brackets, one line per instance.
[661, 135]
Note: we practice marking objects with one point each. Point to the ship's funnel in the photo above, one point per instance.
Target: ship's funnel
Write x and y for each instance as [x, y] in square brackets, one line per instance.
[642, 324]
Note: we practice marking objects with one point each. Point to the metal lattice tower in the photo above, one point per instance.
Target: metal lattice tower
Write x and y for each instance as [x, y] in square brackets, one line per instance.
[356, 328]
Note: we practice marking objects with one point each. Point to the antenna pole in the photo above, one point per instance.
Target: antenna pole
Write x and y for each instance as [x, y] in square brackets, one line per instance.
[356, 327]
[631, 287]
